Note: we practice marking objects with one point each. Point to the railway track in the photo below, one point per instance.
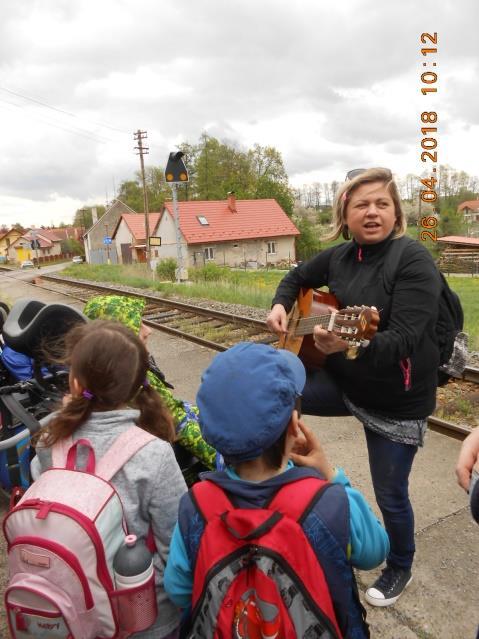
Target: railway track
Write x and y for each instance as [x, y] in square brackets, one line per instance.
[213, 329]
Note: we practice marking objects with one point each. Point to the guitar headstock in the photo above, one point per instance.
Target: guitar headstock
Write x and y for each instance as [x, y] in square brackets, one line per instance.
[356, 323]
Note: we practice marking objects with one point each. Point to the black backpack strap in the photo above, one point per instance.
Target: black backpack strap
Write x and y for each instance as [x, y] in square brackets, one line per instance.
[336, 257]
[392, 261]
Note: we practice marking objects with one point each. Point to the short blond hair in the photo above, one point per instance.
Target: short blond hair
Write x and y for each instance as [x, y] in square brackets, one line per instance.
[343, 195]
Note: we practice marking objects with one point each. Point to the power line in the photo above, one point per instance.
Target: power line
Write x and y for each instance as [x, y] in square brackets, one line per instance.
[80, 132]
[54, 108]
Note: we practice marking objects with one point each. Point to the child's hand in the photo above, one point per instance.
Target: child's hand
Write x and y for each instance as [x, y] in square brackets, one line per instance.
[308, 452]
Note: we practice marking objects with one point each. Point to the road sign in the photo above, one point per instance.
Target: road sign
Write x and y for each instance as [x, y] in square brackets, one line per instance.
[107, 240]
[155, 241]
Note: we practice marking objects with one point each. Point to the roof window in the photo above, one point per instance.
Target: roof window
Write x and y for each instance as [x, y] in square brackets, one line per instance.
[202, 220]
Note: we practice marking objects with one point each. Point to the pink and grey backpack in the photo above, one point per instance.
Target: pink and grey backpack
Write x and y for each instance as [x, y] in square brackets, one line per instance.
[256, 575]
[62, 537]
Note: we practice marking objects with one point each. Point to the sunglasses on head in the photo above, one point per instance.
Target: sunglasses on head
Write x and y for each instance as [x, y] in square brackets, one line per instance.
[355, 172]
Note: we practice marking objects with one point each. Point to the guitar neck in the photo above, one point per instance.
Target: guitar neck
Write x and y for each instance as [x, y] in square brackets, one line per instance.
[305, 326]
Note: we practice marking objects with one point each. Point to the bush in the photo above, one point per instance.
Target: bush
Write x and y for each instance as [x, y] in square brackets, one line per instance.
[210, 272]
[166, 269]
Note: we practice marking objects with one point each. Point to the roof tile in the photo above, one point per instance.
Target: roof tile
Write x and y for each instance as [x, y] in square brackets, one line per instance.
[252, 219]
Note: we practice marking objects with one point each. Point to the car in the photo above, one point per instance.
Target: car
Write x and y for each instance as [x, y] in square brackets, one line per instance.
[27, 264]
[77, 259]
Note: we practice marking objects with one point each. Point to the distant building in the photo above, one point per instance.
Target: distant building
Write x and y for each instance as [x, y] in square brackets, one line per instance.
[228, 232]
[470, 210]
[96, 250]
[47, 246]
[7, 238]
[129, 237]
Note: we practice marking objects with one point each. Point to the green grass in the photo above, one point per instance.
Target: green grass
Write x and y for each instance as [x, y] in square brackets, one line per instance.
[251, 288]
[468, 290]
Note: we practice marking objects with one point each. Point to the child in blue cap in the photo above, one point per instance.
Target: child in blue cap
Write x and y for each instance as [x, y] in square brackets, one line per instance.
[249, 404]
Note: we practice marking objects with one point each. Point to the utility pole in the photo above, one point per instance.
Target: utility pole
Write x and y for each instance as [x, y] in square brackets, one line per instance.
[144, 150]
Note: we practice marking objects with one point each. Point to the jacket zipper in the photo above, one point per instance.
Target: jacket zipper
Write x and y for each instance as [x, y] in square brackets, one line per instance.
[406, 369]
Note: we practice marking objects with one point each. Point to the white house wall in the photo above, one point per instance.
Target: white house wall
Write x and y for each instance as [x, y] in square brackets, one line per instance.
[253, 252]
[166, 230]
[122, 236]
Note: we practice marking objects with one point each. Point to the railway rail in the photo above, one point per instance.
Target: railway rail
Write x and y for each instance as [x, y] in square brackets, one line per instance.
[214, 329]
[210, 328]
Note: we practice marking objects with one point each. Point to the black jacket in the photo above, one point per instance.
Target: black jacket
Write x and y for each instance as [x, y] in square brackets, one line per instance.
[406, 336]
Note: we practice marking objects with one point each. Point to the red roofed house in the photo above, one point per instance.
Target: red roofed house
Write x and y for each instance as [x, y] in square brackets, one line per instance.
[49, 245]
[231, 233]
[470, 210]
[129, 237]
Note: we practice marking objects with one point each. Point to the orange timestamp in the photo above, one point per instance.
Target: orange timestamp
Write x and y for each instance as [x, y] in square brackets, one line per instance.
[429, 135]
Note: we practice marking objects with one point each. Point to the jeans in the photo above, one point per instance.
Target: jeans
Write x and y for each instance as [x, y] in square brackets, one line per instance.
[389, 462]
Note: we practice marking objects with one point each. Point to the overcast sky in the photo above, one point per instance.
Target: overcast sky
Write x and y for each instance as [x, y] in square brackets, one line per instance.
[332, 85]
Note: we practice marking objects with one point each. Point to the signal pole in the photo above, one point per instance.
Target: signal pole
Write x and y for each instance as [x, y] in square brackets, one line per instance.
[144, 150]
[176, 173]
[34, 244]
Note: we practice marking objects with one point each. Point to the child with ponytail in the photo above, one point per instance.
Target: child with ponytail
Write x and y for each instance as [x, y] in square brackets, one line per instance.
[109, 393]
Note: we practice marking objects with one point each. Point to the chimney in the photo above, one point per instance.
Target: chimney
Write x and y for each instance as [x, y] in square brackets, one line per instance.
[232, 201]
[94, 215]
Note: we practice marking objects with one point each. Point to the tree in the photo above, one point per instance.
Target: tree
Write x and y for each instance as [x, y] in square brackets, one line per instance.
[216, 168]
[266, 188]
[84, 217]
[451, 222]
[72, 246]
[131, 191]
[308, 243]
[131, 194]
[219, 169]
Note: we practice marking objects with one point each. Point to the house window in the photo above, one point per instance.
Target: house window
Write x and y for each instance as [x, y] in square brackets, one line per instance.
[271, 248]
[202, 220]
[209, 253]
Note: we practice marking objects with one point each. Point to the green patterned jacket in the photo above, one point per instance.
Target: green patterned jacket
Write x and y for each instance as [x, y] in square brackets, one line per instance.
[129, 311]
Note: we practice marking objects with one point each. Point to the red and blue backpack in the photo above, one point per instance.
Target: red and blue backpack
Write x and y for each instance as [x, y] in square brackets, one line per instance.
[256, 575]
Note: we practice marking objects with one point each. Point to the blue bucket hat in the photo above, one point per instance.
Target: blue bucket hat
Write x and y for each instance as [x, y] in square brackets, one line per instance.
[246, 398]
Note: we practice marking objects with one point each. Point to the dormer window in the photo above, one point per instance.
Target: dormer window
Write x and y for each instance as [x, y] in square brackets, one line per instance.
[202, 220]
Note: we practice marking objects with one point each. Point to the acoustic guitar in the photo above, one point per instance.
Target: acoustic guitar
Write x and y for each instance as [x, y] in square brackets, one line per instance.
[313, 308]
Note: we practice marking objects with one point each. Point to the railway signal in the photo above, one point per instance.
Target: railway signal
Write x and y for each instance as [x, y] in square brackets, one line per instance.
[176, 173]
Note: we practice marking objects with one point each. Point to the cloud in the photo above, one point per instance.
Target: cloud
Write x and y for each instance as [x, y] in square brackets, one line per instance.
[330, 86]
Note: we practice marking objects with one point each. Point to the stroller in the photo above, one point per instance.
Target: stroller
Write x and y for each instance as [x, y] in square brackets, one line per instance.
[25, 329]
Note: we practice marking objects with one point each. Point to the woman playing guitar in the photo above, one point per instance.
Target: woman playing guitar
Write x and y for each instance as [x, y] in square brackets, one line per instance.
[390, 385]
